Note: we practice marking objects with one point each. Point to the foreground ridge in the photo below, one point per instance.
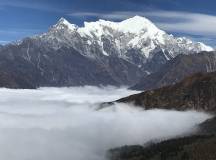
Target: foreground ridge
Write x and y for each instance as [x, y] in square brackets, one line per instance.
[196, 92]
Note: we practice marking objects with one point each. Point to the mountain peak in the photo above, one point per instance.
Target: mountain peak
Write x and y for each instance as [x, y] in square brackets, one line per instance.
[63, 23]
[62, 20]
[137, 24]
[138, 18]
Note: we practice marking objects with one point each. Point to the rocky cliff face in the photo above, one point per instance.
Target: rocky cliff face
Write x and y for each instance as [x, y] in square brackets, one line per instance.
[196, 92]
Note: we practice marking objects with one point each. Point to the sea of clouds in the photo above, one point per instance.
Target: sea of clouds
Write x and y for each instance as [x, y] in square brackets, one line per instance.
[64, 123]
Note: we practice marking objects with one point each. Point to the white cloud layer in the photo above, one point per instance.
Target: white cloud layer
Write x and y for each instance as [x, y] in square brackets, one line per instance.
[185, 22]
[62, 123]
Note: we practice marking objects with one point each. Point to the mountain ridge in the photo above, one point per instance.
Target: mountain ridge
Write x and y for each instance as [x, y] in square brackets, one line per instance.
[196, 92]
[100, 53]
[137, 32]
[177, 69]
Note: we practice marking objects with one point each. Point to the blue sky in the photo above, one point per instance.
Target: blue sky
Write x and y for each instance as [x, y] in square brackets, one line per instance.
[191, 18]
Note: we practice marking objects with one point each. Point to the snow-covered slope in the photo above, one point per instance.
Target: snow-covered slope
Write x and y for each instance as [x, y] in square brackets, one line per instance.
[136, 36]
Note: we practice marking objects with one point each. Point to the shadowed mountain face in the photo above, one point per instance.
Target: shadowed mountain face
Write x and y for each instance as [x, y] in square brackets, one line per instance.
[196, 92]
[177, 69]
[29, 66]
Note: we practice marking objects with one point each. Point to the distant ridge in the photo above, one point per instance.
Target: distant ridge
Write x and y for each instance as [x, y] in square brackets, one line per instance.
[177, 69]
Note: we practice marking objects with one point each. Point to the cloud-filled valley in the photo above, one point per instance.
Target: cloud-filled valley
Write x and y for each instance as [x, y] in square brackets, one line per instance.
[63, 123]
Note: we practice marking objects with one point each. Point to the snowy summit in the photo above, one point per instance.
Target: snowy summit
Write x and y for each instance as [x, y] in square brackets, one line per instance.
[119, 38]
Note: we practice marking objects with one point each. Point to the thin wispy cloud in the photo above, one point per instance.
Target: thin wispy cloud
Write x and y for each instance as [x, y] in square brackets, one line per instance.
[17, 34]
[197, 23]
[173, 21]
[19, 31]
[4, 42]
[30, 5]
[107, 15]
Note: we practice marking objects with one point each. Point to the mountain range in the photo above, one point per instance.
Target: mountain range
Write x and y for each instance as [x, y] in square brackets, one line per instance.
[99, 53]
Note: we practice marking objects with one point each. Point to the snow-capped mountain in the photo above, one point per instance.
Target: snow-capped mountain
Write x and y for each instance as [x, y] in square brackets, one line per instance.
[119, 38]
[99, 53]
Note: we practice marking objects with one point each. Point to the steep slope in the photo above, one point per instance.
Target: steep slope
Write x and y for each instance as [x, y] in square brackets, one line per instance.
[63, 67]
[199, 146]
[100, 53]
[177, 69]
[196, 92]
[187, 148]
